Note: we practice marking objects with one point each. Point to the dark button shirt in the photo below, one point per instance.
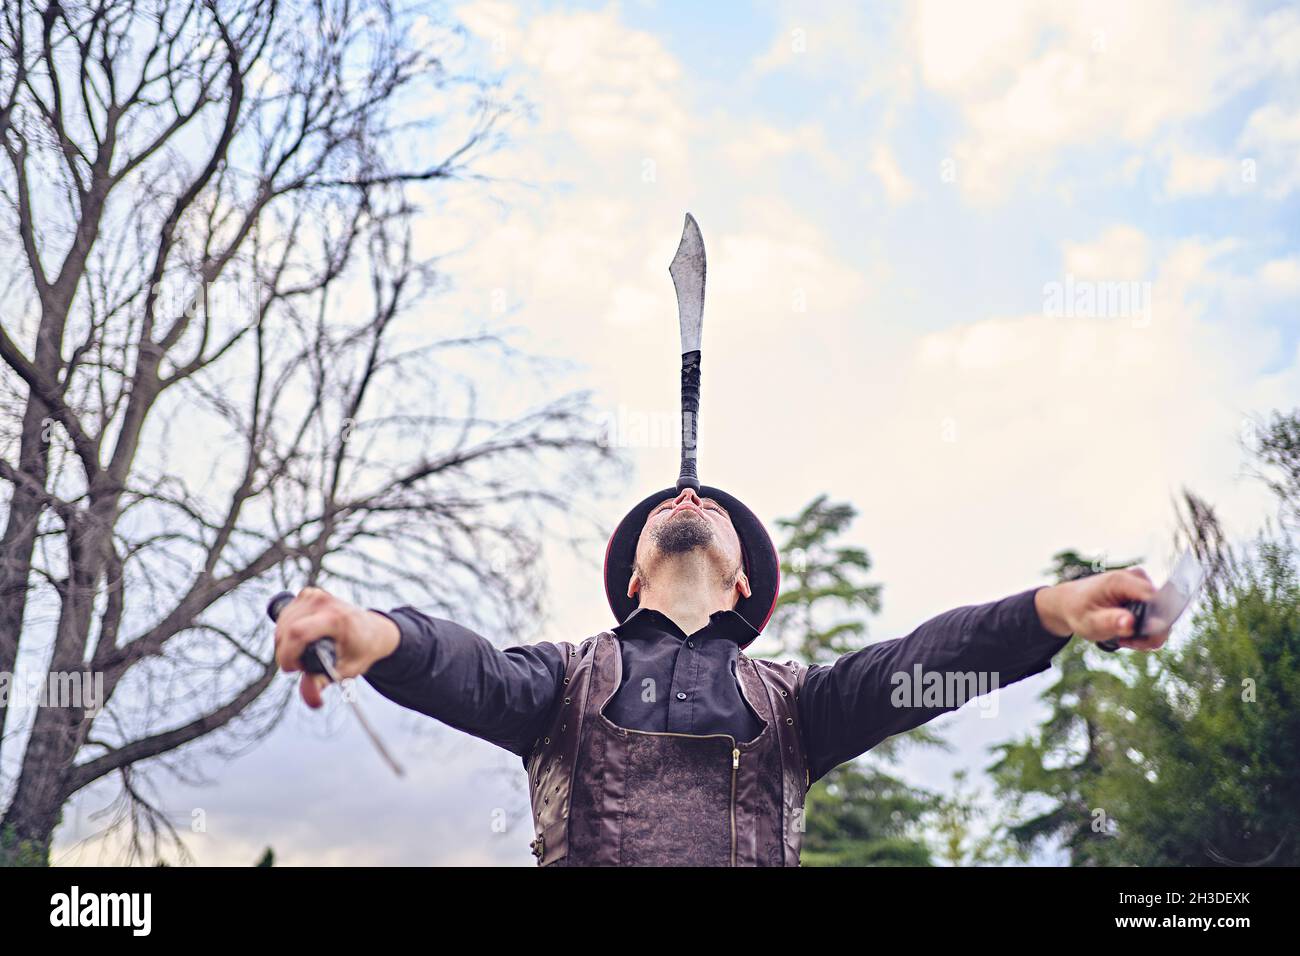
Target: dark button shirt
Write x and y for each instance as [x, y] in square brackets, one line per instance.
[507, 696]
[679, 683]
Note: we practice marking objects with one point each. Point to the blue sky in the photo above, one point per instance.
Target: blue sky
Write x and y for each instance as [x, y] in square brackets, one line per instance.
[885, 196]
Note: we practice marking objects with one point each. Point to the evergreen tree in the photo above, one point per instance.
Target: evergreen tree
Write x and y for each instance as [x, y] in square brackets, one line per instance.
[819, 577]
[1185, 757]
[15, 851]
[858, 814]
[970, 833]
[1051, 776]
[1203, 768]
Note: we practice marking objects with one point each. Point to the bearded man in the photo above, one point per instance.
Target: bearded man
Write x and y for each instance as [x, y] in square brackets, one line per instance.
[659, 742]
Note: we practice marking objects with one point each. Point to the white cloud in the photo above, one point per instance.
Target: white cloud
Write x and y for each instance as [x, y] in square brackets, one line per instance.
[973, 47]
[1032, 80]
[789, 43]
[1281, 275]
[1010, 438]
[1118, 253]
[610, 90]
[1193, 175]
[1271, 140]
[898, 188]
[855, 45]
[751, 147]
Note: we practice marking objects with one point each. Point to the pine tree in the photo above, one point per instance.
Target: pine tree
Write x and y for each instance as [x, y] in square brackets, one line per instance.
[1203, 768]
[858, 814]
[1056, 769]
[969, 832]
[1185, 757]
[818, 577]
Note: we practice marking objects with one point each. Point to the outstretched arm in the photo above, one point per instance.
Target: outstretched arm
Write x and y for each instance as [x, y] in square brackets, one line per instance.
[430, 665]
[887, 688]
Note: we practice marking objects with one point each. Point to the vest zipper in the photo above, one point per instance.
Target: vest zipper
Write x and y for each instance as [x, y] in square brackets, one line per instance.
[735, 769]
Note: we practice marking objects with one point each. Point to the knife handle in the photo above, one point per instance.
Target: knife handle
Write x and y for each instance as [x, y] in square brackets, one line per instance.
[316, 654]
[689, 477]
[1139, 611]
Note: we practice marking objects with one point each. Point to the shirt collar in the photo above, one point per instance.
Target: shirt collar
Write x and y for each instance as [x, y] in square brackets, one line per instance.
[726, 624]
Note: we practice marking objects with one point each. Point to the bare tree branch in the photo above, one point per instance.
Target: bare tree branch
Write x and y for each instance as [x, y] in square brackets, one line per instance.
[221, 374]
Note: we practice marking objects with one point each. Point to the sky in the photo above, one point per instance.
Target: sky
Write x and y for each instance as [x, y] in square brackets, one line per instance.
[1005, 276]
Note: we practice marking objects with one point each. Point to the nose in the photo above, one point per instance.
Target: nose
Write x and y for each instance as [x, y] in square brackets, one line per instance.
[687, 494]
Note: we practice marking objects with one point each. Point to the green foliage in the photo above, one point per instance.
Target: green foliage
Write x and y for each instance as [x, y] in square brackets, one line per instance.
[858, 814]
[16, 852]
[1071, 566]
[822, 585]
[1182, 758]
[267, 858]
[969, 832]
[1204, 767]
[1050, 778]
[1278, 453]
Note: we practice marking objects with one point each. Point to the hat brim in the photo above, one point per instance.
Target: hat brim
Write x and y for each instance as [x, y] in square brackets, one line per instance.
[762, 566]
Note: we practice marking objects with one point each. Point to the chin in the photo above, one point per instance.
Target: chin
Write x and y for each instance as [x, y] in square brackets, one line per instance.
[675, 536]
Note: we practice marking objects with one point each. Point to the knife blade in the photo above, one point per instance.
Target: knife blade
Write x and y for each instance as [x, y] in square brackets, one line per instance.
[318, 658]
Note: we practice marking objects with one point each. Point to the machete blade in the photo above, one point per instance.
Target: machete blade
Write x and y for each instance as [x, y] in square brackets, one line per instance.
[1172, 599]
[687, 270]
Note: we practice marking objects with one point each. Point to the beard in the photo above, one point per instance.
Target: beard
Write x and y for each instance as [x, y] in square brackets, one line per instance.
[682, 535]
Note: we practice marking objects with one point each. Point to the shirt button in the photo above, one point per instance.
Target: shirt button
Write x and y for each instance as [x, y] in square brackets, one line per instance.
[680, 695]
[690, 644]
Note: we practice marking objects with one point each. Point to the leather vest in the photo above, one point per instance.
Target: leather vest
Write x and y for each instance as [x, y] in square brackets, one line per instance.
[605, 795]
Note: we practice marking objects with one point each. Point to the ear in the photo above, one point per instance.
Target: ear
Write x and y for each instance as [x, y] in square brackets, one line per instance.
[633, 585]
[742, 585]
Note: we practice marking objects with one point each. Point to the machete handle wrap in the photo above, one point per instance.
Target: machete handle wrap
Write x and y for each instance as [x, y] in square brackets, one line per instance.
[1139, 612]
[312, 656]
[689, 477]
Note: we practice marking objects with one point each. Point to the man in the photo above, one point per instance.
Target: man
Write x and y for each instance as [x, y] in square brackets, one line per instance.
[660, 742]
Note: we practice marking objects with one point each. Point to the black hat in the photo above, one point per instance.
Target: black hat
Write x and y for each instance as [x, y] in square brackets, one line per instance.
[762, 566]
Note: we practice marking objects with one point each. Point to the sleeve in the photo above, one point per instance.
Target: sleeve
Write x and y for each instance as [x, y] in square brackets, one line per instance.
[848, 707]
[450, 673]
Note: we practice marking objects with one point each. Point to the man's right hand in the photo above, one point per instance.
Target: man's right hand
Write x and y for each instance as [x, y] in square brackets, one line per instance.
[361, 637]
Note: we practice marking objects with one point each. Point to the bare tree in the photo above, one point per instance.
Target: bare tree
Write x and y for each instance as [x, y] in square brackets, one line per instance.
[208, 351]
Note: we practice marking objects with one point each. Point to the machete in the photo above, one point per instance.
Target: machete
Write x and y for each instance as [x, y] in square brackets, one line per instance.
[688, 269]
